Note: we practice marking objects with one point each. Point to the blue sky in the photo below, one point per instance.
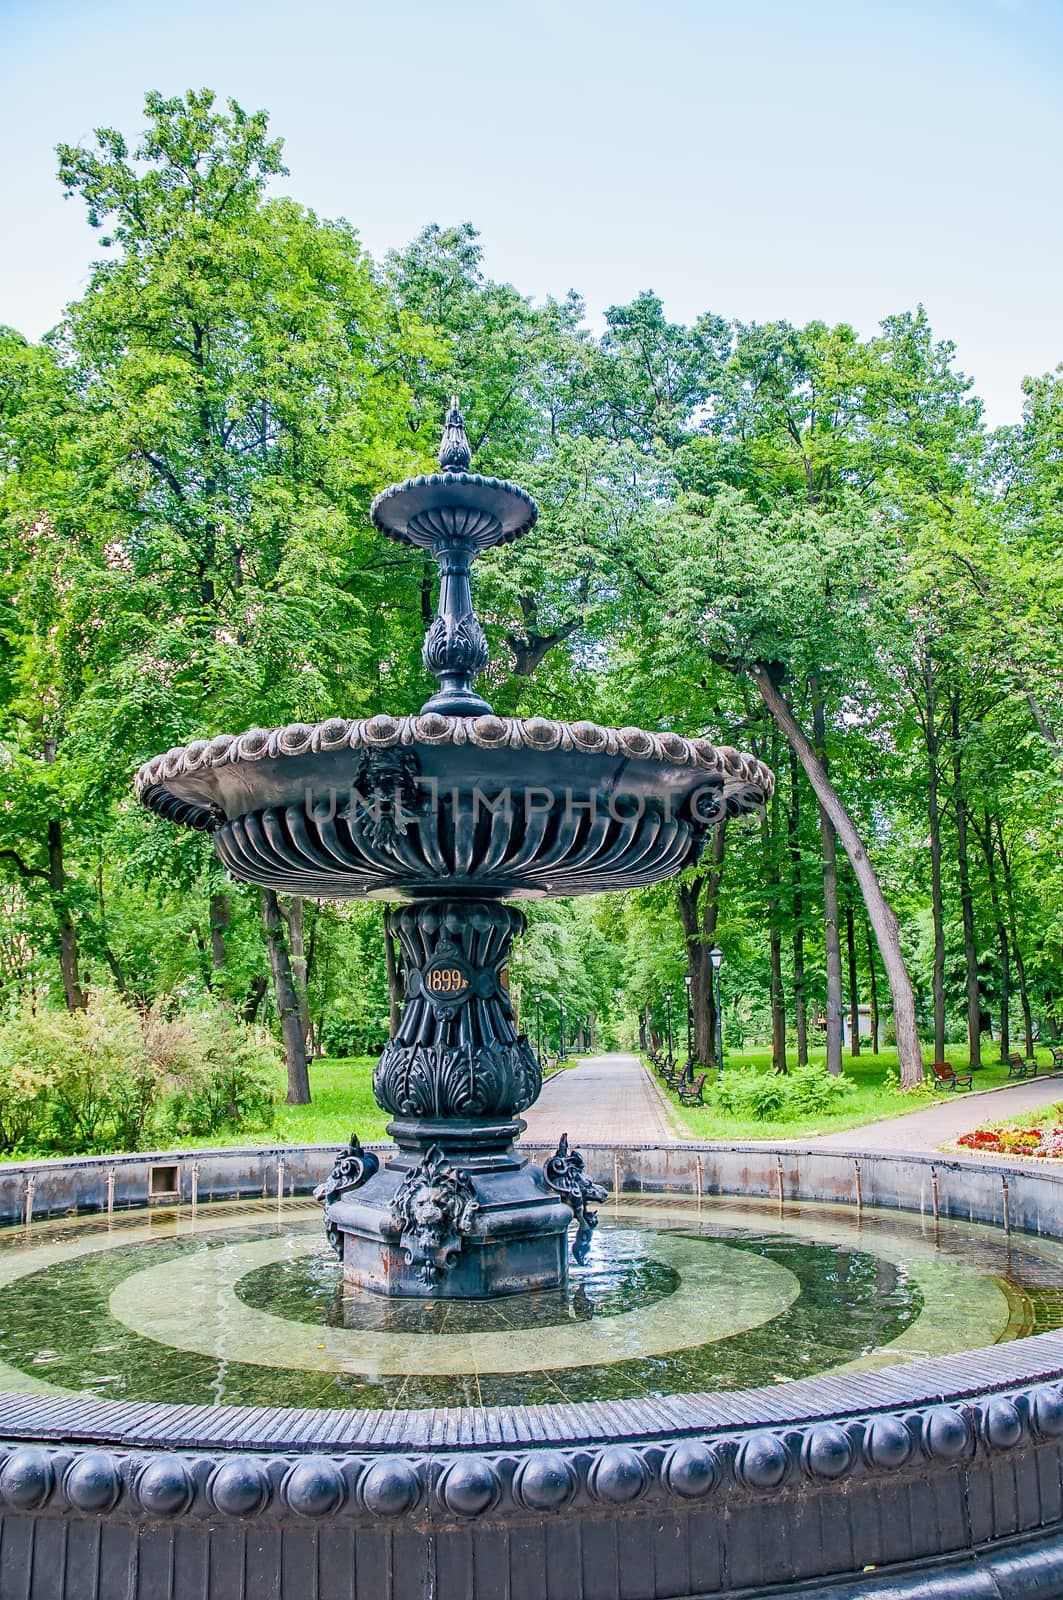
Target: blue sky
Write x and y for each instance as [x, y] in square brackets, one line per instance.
[758, 159]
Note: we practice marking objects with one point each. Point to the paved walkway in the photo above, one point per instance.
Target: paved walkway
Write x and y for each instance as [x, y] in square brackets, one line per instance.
[605, 1100]
[940, 1124]
[611, 1100]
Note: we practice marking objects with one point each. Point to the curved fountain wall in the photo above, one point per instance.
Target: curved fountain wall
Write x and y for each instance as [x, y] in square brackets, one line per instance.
[940, 1477]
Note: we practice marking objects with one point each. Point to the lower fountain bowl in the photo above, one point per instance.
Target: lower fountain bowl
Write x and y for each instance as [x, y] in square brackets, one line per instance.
[937, 1479]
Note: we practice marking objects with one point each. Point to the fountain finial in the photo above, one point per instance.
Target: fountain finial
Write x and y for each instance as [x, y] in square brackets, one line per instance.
[454, 452]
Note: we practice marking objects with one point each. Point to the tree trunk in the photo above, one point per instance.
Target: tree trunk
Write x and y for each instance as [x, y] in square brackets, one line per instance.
[1044, 727]
[255, 996]
[793, 831]
[985, 839]
[937, 899]
[395, 987]
[831, 932]
[769, 835]
[699, 912]
[880, 912]
[76, 999]
[293, 914]
[854, 997]
[1051, 1025]
[221, 915]
[1016, 949]
[970, 951]
[872, 983]
[287, 996]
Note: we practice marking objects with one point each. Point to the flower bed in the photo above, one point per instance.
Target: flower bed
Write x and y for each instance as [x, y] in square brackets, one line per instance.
[1044, 1142]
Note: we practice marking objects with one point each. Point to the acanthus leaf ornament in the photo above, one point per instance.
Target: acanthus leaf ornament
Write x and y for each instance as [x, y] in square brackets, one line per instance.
[565, 1173]
[434, 1209]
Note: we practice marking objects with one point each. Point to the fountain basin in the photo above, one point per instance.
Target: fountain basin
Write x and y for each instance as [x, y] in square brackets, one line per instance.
[943, 1474]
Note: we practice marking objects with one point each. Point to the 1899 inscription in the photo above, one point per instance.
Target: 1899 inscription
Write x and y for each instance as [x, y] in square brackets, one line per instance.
[446, 980]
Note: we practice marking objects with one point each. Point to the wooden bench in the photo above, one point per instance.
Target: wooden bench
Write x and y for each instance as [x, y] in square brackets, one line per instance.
[945, 1073]
[1020, 1068]
[1057, 1057]
[692, 1092]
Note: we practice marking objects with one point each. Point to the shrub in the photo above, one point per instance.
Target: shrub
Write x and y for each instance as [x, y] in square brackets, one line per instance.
[769, 1097]
[113, 1078]
[220, 1073]
[93, 1074]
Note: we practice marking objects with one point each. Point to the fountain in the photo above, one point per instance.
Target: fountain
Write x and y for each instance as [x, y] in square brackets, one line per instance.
[758, 1380]
[456, 812]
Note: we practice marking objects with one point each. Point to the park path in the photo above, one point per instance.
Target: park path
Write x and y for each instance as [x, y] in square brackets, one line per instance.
[605, 1100]
[940, 1124]
[611, 1099]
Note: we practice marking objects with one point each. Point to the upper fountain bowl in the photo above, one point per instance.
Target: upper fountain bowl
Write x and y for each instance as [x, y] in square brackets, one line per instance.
[422, 511]
[400, 807]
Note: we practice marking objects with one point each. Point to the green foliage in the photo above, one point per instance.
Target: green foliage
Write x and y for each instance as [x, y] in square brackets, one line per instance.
[111, 1078]
[186, 465]
[807, 1091]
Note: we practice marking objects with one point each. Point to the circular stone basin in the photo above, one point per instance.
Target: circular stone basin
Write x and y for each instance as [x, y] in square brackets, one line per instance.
[244, 1304]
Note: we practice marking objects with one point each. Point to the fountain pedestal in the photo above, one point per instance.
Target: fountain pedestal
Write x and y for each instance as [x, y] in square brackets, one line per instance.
[455, 1214]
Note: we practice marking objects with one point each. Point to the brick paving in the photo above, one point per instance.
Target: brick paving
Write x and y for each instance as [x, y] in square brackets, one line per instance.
[606, 1099]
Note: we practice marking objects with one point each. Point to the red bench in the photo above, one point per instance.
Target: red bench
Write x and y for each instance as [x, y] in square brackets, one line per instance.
[945, 1073]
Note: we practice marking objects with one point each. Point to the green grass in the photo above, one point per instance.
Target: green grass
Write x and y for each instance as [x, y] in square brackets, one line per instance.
[872, 1100]
[342, 1089]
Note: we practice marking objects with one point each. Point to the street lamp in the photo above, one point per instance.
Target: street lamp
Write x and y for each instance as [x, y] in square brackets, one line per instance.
[668, 1015]
[716, 957]
[539, 1025]
[688, 980]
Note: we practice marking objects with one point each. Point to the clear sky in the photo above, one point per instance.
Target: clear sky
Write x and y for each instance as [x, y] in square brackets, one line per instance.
[840, 159]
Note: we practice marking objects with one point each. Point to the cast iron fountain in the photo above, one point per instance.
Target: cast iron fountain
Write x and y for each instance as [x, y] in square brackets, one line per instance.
[457, 812]
[759, 1383]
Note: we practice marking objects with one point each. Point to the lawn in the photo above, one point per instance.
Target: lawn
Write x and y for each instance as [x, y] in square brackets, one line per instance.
[874, 1097]
[343, 1104]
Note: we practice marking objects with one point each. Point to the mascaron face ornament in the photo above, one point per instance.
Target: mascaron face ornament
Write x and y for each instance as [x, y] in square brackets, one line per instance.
[455, 811]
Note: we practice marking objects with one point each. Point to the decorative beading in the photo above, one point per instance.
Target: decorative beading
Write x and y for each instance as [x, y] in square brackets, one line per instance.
[537, 1481]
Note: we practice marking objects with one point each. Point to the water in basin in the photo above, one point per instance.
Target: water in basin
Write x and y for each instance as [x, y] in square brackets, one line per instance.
[243, 1304]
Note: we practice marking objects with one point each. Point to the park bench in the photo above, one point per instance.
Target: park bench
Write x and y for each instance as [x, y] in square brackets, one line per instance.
[1057, 1057]
[692, 1092]
[1020, 1068]
[946, 1074]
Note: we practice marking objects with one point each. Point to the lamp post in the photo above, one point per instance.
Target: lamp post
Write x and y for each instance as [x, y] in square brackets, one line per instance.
[539, 1025]
[668, 1014]
[716, 957]
[562, 1052]
[688, 980]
